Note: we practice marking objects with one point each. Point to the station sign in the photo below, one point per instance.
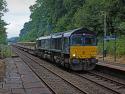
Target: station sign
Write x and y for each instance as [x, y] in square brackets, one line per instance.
[113, 37]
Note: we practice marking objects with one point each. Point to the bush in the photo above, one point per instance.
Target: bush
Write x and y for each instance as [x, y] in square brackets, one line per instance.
[5, 51]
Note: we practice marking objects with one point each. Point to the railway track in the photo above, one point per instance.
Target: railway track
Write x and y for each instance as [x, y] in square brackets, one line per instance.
[103, 85]
[103, 81]
[74, 89]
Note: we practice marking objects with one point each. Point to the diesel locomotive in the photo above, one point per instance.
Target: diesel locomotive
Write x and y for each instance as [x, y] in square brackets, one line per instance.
[74, 49]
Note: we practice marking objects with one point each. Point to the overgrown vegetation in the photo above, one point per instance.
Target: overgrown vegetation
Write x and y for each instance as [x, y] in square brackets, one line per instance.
[2, 70]
[110, 46]
[5, 51]
[49, 16]
[3, 35]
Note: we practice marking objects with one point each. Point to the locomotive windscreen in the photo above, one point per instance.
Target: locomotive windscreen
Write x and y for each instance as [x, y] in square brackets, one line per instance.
[80, 39]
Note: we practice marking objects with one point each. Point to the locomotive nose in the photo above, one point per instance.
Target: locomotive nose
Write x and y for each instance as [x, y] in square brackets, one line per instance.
[82, 52]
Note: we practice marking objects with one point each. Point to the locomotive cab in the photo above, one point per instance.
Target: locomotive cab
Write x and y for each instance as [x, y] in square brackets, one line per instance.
[83, 50]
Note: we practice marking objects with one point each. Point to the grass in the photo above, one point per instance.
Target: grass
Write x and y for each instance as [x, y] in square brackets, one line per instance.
[110, 47]
[5, 51]
[2, 70]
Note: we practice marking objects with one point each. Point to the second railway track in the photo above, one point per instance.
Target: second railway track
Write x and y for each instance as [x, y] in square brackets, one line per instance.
[69, 83]
[105, 82]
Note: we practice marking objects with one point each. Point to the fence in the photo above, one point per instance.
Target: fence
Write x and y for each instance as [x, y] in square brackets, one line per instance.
[112, 50]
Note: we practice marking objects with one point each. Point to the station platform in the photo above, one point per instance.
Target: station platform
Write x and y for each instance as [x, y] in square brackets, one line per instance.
[113, 65]
[19, 79]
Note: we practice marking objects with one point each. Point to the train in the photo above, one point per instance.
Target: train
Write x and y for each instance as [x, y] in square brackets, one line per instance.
[74, 49]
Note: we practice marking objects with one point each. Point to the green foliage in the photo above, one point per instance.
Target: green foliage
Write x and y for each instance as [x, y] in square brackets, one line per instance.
[110, 46]
[48, 16]
[3, 35]
[51, 16]
[5, 51]
[122, 26]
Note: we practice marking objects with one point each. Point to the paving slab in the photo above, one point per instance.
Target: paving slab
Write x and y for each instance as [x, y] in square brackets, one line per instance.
[5, 91]
[20, 79]
[37, 91]
[113, 65]
[18, 91]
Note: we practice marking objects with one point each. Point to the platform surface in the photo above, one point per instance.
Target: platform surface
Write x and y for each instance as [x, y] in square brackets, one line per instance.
[118, 66]
[19, 79]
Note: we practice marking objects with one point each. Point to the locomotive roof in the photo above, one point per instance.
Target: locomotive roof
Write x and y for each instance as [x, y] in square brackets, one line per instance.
[57, 35]
[26, 42]
[44, 37]
[68, 33]
[78, 31]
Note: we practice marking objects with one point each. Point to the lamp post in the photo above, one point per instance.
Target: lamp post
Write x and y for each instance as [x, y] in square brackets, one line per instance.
[104, 34]
[115, 48]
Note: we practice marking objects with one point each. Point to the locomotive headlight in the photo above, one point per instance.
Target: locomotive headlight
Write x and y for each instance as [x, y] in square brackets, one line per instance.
[74, 55]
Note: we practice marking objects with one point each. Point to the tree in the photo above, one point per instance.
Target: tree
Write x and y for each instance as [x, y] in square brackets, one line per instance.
[49, 16]
[3, 35]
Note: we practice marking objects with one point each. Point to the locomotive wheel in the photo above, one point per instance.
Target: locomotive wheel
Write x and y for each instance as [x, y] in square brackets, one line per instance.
[52, 59]
[67, 65]
[88, 66]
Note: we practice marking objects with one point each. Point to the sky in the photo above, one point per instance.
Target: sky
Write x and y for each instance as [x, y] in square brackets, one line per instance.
[17, 15]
